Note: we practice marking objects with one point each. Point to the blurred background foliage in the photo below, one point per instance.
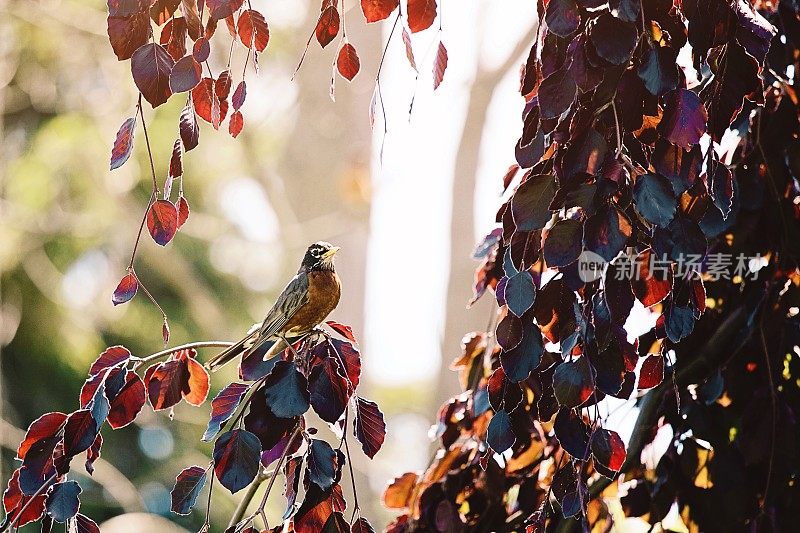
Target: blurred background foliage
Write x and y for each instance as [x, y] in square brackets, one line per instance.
[303, 169]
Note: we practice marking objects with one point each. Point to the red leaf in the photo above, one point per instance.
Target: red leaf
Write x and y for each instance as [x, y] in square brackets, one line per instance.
[253, 30]
[162, 11]
[223, 406]
[173, 36]
[327, 25]
[128, 402]
[369, 427]
[165, 382]
[162, 221]
[220, 9]
[239, 95]
[185, 75]
[46, 425]
[608, 449]
[421, 14]
[409, 49]
[123, 144]
[375, 10]
[126, 289]
[79, 432]
[343, 330]
[236, 124]
[190, 132]
[347, 62]
[93, 453]
[653, 280]
[14, 501]
[362, 525]
[193, 24]
[329, 390]
[198, 383]
[84, 524]
[188, 485]
[652, 372]
[222, 87]
[112, 356]
[439, 66]
[183, 211]
[201, 49]
[165, 331]
[207, 104]
[124, 8]
[151, 66]
[126, 34]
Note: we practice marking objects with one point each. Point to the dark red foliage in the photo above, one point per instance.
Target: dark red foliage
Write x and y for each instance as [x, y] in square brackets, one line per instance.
[180, 377]
[126, 289]
[421, 14]
[123, 144]
[327, 25]
[347, 62]
[253, 30]
[151, 66]
[369, 427]
[375, 10]
[162, 221]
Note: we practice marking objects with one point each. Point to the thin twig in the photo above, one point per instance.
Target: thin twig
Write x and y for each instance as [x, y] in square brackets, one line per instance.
[41, 489]
[187, 346]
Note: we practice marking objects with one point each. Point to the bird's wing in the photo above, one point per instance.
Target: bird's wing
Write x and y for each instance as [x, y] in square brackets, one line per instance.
[293, 297]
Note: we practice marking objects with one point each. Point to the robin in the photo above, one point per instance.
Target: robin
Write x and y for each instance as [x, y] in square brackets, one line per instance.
[305, 302]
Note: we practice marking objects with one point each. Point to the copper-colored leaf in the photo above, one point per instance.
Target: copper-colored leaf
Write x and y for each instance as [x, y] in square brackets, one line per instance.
[123, 144]
[236, 124]
[347, 61]
[162, 221]
[253, 30]
[327, 25]
[421, 14]
[375, 10]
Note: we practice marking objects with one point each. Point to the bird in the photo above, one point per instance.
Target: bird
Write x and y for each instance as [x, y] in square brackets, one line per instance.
[311, 295]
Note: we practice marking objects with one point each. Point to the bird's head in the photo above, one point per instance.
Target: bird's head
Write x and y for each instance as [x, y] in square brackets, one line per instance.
[319, 256]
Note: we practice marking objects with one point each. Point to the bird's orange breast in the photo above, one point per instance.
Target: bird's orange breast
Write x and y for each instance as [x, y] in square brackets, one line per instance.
[324, 291]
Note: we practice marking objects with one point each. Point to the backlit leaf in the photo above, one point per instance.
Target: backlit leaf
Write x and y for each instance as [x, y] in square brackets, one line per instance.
[556, 93]
[653, 281]
[151, 66]
[652, 372]
[522, 359]
[79, 432]
[195, 391]
[439, 65]
[347, 62]
[128, 33]
[236, 459]
[126, 289]
[239, 95]
[409, 49]
[14, 501]
[188, 485]
[520, 292]
[253, 30]
[329, 390]
[201, 50]
[221, 9]
[369, 426]
[375, 10]
[608, 449]
[327, 26]
[398, 493]
[421, 14]
[162, 221]
[183, 211]
[223, 406]
[123, 144]
[190, 132]
[45, 426]
[236, 124]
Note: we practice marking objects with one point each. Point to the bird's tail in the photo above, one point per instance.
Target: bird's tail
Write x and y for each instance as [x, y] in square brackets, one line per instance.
[229, 354]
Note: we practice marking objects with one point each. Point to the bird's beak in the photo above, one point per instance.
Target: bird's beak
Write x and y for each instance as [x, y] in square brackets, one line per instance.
[331, 252]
